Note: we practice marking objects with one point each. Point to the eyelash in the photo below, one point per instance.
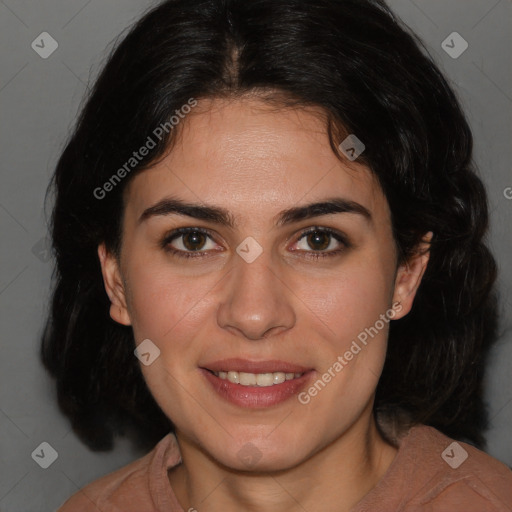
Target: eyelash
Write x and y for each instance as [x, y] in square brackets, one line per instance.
[170, 237]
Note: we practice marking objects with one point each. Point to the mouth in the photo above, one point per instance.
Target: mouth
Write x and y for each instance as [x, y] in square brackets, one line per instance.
[256, 384]
[256, 379]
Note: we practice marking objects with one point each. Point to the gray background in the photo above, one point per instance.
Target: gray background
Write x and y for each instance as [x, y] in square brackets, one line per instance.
[39, 99]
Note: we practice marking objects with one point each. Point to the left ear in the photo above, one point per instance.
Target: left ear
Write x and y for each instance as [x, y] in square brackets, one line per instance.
[409, 275]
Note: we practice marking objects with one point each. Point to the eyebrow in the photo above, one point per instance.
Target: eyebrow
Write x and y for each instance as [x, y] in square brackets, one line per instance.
[221, 216]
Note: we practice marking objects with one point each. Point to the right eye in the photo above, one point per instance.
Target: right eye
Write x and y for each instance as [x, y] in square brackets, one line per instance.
[188, 242]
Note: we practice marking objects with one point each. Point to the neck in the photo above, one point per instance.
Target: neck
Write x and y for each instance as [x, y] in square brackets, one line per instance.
[335, 478]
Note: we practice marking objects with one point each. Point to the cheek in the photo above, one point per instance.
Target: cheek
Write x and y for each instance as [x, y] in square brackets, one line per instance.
[351, 299]
[171, 311]
[168, 308]
[351, 338]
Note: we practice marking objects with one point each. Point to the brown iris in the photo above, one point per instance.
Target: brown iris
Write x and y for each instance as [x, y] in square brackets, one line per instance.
[194, 240]
[316, 238]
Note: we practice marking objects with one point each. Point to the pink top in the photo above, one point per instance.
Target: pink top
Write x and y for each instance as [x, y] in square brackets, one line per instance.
[430, 472]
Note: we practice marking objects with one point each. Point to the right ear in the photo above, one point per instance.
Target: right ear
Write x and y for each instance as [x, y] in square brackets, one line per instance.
[113, 286]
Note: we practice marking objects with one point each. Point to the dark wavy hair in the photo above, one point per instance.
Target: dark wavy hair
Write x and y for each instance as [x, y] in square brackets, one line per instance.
[372, 77]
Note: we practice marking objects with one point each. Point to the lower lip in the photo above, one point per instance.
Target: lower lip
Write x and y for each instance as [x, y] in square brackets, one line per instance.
[256, 397]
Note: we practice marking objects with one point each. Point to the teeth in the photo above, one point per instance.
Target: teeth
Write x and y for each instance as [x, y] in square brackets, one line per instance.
[257, 379]
[279, 377]
[234, 377]
[247, 379]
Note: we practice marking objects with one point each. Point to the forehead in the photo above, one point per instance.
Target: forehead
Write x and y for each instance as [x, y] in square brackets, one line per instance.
[253, 159]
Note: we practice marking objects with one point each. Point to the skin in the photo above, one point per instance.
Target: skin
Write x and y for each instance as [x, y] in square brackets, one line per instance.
[256, 161]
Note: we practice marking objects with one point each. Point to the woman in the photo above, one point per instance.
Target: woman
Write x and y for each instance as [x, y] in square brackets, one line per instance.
[271, 267]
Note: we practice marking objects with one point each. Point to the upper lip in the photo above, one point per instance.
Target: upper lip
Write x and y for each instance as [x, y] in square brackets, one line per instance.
[248, 366]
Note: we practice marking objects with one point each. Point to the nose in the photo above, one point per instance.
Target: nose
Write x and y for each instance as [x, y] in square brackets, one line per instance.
[257, 303]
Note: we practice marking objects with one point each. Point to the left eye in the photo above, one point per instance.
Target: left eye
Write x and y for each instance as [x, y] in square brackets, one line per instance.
[320, 239]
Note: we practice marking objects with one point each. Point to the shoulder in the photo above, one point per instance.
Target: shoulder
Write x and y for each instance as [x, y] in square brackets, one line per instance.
[128, 488]
[454, 475]
[112, 490]
[432, 472]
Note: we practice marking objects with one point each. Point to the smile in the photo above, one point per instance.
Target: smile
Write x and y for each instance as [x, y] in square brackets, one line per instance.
[256, 379]
[256, 385]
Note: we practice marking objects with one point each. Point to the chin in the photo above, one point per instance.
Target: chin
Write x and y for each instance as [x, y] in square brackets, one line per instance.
[254, 456]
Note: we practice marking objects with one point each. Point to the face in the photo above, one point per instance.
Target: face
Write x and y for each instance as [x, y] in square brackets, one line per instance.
[257, 284]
